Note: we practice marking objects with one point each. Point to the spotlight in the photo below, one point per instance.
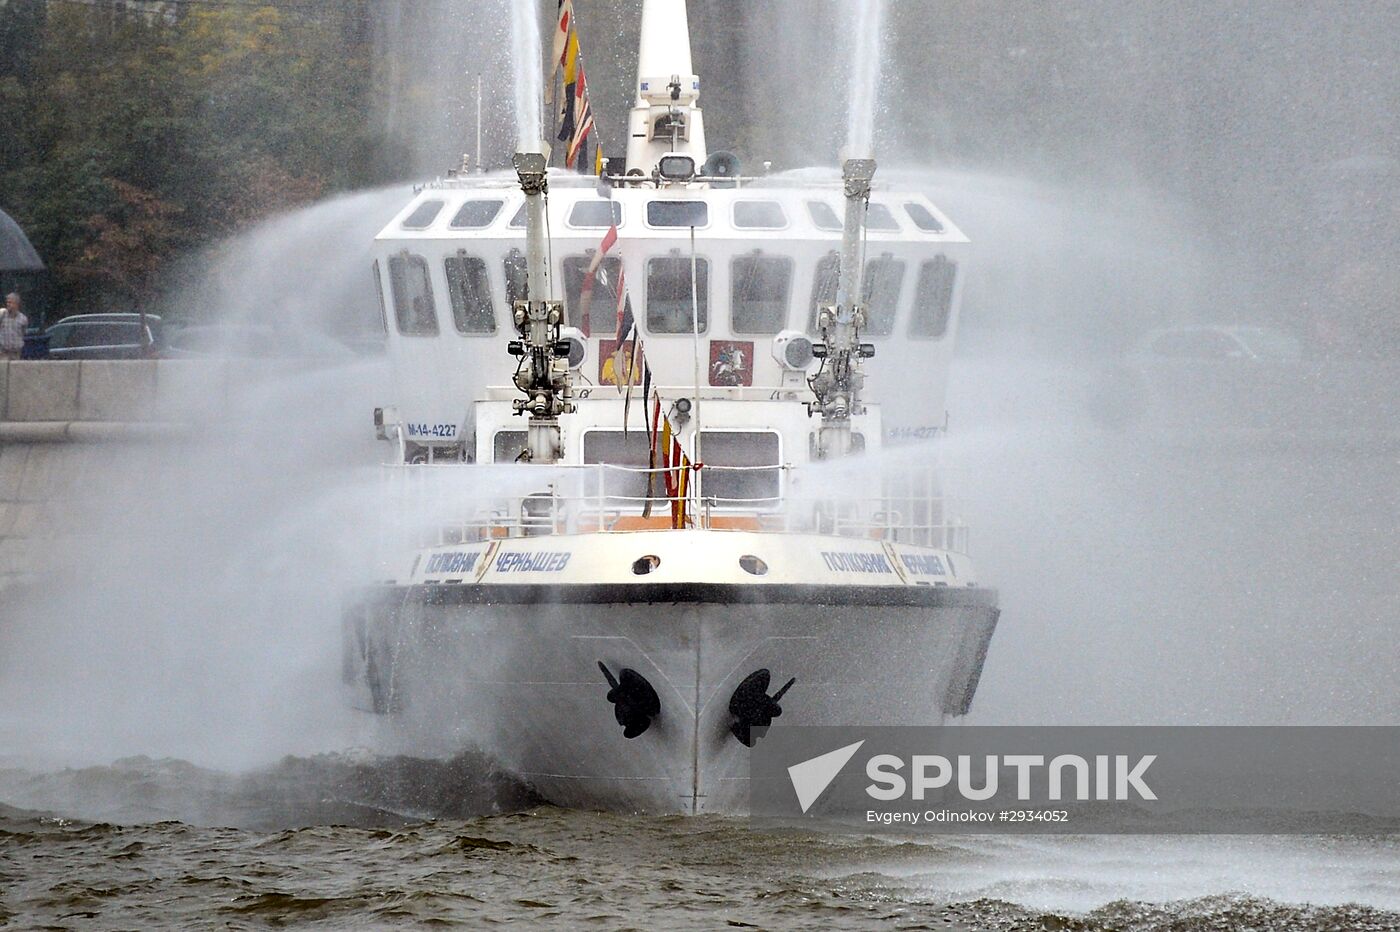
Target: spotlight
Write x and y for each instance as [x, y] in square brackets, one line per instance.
[793, 350]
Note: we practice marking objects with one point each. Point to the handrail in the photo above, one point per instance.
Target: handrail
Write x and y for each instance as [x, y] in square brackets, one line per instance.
[907, 506]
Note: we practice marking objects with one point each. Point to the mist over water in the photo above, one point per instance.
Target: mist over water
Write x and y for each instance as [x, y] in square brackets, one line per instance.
[1194, 568]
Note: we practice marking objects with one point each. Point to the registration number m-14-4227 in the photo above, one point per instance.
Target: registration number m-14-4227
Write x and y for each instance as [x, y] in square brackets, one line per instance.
[446, 431]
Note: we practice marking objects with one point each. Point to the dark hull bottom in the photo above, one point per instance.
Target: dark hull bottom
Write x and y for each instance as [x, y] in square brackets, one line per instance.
[516, 672]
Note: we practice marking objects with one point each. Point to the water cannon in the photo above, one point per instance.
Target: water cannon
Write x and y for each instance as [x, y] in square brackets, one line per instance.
[857, 175]
[532, 168]
[837, 385]
[542, 374]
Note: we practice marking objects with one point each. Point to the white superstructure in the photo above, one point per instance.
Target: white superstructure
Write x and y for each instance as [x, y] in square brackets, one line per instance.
[607, 618]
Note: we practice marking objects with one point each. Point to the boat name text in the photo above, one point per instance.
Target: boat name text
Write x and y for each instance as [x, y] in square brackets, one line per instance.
[455, 562]
[544, 562]
[855, 562]
[923, 564]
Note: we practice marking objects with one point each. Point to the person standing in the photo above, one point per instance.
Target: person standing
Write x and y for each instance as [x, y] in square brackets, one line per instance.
[12, 324]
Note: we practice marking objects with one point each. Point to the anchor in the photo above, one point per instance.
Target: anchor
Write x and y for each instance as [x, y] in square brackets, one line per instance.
[635, 702]
[752, 707]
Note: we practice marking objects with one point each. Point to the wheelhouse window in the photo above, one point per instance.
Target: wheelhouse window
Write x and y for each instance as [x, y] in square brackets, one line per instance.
[759, 289]
[423, 215]
[824, 284]
[878, 217]
[669, 296]
[923, 218]
[414, 311]
[933, 299]
[747, 486]
[759, 215]
[883, 279]
[611, 446]
[508, 445]
[678, 213]
[595, 214]
[823, 216]
[516, 271]
[469, 289]
[518, 221]
[592, 309]
[473, 215]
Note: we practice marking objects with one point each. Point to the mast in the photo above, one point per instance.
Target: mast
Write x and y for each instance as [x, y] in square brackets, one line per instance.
[666, 117]
[837, 385]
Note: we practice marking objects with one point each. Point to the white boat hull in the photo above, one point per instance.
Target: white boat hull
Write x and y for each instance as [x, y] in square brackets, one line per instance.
[514, 669]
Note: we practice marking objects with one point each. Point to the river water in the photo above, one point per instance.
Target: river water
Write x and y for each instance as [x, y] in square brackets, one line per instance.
[346, 843]
[1145, 579]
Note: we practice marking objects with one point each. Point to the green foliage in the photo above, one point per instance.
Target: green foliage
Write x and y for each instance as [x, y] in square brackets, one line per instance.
[132, 132]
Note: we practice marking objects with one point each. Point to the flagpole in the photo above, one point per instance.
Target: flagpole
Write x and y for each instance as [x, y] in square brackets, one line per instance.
[695, 325]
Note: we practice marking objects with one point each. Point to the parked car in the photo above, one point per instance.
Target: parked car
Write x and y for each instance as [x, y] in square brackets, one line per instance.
[103, 336]
[1213, 376]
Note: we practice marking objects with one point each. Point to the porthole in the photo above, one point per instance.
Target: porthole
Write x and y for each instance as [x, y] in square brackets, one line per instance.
[753, 565]
[643, 565]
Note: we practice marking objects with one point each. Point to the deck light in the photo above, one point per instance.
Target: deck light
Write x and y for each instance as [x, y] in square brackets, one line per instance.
[676, 167]
[793, 350]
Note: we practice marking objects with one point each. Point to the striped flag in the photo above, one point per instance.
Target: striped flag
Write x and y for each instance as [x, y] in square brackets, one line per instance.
[585, 297]
[583, 116]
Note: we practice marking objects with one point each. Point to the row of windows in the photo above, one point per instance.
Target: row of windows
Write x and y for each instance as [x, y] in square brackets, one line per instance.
[721, 449]
[600, 214]
[760, 293]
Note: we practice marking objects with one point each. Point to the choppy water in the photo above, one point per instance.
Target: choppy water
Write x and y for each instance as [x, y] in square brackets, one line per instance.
[340, 842]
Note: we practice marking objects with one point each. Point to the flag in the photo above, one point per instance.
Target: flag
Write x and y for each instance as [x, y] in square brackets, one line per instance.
[632, 360]
[583, 116]
[653, 434]
[682, 485]
[561, 40]
[585, 297]
[626, 323]
[646, 393]
[626, 334]
[608, 241]
[666, 442]
[565, 27]
[570, 62]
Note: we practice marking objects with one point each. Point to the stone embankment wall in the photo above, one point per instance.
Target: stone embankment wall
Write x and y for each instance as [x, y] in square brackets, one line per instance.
[59, 422]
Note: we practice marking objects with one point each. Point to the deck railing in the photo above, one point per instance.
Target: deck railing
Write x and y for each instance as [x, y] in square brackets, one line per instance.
[905, 506]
